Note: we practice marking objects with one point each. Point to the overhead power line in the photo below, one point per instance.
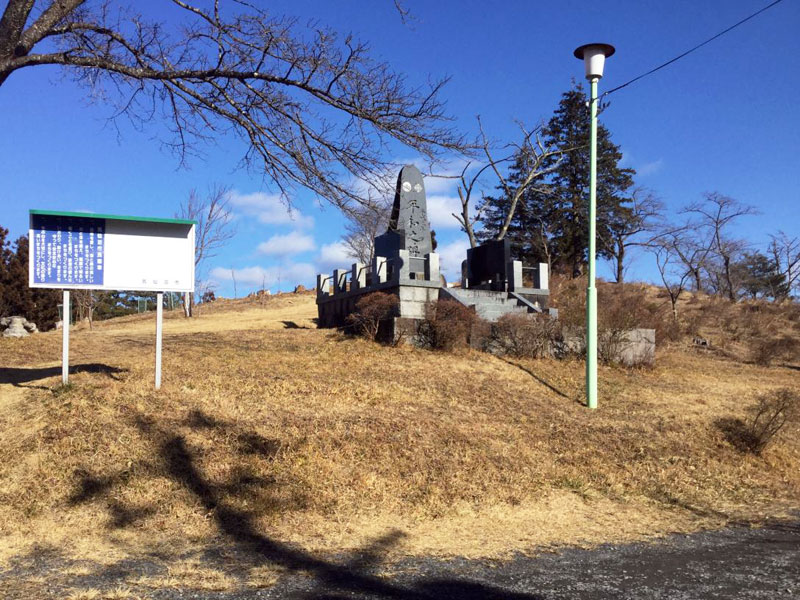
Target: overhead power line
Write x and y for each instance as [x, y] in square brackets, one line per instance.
[680, 56]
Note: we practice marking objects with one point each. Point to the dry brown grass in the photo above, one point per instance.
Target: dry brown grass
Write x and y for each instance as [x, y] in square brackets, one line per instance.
[188, 574]
[119, 593]
[307, 437]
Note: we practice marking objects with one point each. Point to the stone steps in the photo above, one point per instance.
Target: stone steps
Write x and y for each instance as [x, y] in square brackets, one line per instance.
[489, 305]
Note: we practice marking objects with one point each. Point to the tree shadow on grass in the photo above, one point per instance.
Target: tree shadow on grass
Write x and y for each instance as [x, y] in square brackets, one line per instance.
[343, 577]
[542, 381]
[737, 434]
[351, 576]
[18, 375]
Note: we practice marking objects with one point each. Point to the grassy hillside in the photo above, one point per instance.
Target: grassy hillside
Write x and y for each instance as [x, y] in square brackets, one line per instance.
[267, 428]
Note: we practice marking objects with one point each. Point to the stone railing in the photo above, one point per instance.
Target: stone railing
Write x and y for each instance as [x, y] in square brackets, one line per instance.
[403, 269]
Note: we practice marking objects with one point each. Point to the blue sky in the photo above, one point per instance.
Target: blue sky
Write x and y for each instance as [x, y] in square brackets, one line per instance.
[722, 119]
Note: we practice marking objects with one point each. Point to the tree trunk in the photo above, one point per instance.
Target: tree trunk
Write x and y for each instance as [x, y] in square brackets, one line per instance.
[731, 292]
[620, 262]
[674, 300]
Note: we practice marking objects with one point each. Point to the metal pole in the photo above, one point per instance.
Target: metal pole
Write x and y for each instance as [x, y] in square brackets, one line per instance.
[159, 327]
[591, 290]
[66, 313]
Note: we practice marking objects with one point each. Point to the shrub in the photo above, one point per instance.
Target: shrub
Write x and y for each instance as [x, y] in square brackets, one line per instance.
[528, 336]
[620, 307]
[772, 412]
[370, 310]
[447, 325]
[764, 351]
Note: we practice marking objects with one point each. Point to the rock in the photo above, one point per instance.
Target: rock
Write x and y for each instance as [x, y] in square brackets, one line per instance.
[300, 288]
[15, 327]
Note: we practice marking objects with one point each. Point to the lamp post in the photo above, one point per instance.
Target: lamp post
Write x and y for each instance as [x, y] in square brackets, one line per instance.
[594, 58]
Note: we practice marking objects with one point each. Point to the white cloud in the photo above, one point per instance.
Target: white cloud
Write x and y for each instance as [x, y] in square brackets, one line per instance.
[290, 273]
[644, 169]
[334, 256]
[269, 209]
[650, 168]
[284, 245]
[440, 185]
[451, 255]
[440, 211]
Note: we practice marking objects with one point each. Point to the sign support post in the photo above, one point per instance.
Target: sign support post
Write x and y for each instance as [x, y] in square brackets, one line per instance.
[66, 313]
[159, 329]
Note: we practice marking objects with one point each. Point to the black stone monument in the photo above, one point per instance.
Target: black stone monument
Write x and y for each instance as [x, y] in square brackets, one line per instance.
[408, 226]
[488, 262]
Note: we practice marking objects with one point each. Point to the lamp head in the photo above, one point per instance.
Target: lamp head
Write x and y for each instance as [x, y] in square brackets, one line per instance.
[594, 58]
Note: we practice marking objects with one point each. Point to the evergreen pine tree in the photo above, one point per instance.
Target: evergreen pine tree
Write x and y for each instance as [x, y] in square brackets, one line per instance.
[551, 220]
[35, 304]
[569, 130]
[761, 277]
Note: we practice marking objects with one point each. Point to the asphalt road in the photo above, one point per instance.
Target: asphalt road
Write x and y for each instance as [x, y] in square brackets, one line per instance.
[733, 563]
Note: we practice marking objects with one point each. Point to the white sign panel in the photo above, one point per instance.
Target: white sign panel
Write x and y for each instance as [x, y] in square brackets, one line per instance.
[108, 252]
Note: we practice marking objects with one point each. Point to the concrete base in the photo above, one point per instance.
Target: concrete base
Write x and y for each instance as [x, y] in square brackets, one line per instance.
[412, 295]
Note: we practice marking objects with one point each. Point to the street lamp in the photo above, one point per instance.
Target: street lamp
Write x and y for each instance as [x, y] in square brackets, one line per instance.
[594, 58]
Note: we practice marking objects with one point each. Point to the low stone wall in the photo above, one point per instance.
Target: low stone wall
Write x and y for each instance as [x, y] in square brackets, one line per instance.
[630, 348]
[636, 347]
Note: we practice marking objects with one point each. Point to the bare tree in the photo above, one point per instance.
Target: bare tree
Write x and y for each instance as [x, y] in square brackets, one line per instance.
[785, 253]
[693, 251]
[213, 228]
[85, 302]
[716, 213]
[466, 187]
[668, 250]
[364, 223]
[640, 226]
[538, 163]
[312, 108]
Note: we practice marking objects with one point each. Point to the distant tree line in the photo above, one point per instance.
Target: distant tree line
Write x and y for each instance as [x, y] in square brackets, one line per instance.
[696, 249]
[16, 298]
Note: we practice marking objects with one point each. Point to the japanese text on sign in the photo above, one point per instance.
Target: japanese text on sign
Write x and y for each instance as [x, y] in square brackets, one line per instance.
[67, 250]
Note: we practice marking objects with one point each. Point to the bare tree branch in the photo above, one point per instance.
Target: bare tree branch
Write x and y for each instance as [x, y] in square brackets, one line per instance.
[785, 253]
[538, 161]
[312, 108]
[639, 225]
[716, 212]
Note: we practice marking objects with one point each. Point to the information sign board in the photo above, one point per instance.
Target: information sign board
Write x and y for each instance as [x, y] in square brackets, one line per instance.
[110, 252]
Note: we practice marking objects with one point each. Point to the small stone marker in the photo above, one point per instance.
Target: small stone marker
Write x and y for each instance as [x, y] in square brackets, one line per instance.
[17, 327]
